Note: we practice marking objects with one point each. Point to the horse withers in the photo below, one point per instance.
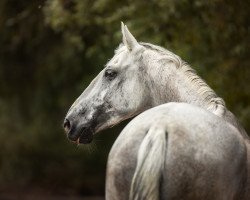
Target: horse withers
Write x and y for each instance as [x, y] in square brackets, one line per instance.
[193, 149]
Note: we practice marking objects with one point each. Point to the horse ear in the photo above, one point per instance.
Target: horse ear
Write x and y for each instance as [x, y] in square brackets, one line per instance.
[127, 38]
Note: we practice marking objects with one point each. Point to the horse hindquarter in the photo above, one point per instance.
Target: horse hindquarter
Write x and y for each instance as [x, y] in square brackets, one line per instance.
[204, 157]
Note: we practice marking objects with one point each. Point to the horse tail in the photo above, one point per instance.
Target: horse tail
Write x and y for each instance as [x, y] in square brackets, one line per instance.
[150, 164]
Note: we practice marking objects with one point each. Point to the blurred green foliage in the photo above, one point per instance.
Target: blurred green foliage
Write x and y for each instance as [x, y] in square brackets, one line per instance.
[51, 50]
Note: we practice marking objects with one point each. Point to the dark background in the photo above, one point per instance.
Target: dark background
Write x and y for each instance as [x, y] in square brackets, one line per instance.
[51, 50]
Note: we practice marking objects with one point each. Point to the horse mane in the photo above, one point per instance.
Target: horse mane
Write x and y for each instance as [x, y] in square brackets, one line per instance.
[214, 103]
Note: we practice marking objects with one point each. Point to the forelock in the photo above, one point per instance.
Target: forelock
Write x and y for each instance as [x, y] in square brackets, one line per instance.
[120, 48]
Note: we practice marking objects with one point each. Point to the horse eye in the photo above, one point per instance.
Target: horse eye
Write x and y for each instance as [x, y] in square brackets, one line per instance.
[110, 74]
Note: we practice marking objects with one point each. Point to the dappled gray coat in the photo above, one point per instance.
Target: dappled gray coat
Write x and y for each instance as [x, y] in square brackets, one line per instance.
[193, 149]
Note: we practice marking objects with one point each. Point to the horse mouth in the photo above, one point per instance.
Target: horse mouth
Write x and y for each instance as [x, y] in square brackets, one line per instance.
[85, 136]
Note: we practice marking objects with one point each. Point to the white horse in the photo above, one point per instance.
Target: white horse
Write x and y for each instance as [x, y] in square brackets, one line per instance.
[193, 149]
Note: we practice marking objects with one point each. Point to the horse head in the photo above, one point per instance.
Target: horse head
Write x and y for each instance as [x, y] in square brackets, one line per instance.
[118, 92]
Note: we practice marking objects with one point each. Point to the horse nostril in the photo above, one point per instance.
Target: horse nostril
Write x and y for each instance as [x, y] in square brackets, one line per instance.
[66, 125]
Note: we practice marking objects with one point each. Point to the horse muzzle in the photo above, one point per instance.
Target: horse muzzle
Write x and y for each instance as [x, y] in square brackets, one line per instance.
[78, 133]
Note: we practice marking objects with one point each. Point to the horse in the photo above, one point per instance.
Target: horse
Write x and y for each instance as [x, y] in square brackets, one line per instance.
[183, 142]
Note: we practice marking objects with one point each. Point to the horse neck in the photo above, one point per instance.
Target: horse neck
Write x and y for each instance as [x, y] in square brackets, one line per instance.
[173, 83]
[172, 80]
